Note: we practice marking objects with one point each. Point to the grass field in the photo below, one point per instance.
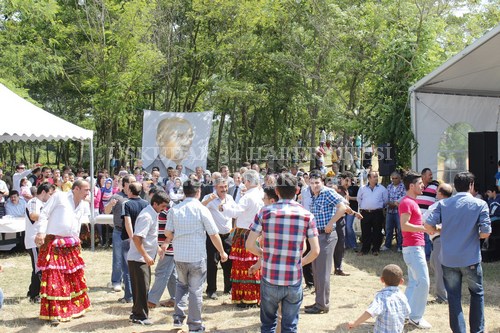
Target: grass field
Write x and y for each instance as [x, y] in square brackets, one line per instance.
[349, 298]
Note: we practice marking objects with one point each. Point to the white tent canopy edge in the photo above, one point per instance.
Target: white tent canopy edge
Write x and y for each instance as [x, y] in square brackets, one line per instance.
[466, 88]
[23, 121]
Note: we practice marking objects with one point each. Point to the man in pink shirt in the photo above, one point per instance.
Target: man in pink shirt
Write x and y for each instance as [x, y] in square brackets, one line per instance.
[413, 231]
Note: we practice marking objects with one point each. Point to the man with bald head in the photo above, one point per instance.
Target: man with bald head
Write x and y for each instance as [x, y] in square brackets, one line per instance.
[63, 288]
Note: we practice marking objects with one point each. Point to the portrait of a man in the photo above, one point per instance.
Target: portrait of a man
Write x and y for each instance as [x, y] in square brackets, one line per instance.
[174, 137]
[171, 139]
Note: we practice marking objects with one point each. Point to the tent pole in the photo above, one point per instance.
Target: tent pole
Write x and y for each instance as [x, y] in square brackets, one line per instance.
[92, 186]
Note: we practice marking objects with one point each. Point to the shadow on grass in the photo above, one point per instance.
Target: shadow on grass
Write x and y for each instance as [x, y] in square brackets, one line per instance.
[93, 289]
[32, 324]
[235, 311]
[100, 325]
[244, 329]
[118, 311]
[374, 264]
[13, 300]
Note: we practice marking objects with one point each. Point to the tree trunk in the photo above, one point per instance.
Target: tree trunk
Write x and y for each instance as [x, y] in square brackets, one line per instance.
[313, 111]
[219, 139]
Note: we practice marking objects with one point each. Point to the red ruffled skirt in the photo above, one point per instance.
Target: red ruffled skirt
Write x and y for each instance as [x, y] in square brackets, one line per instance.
[245, 289]
[63, 290]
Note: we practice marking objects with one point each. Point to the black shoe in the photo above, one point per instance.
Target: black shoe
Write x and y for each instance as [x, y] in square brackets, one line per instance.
[246, 306]
[124, 300]
[341, 272]
[212, 296]
[316, 310]
[35, 300]
[54, 322]
[144, 322]
[310, 306]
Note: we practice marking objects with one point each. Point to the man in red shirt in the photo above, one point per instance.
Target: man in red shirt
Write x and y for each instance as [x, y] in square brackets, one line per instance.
[413, 231]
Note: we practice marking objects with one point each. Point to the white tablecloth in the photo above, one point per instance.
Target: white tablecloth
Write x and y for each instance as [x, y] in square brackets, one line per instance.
[12, 225]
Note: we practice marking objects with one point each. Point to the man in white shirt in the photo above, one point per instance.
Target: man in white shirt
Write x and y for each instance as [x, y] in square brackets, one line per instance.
[224, 224]
[20, 173]
[141, 256]
[372, 199]
[247, 293]
[60, 261]
[188, 223]
[34, 207]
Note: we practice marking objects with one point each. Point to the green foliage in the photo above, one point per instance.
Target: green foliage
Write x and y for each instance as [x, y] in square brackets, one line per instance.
[273, 71]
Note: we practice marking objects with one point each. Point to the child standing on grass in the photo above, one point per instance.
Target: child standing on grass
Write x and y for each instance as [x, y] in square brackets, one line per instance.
[390, 305]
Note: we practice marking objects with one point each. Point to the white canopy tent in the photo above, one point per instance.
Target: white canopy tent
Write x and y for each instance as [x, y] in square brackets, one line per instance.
[465, 89]
[24, 121]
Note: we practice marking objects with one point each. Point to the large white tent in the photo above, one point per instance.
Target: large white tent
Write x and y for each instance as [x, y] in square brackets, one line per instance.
[24, 121]
[465, 89]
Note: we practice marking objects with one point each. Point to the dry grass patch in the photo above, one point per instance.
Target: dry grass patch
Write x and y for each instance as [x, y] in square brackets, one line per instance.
[349, 298]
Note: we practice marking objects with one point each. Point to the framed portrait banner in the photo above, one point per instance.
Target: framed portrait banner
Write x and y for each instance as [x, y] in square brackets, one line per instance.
[172, 138]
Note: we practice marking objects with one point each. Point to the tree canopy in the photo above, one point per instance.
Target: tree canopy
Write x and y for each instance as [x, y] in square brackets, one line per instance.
[272, 71]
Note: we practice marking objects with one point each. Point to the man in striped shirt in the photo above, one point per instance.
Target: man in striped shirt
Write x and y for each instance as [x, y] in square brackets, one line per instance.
[284, 226]
[165, 274]
[425, 200]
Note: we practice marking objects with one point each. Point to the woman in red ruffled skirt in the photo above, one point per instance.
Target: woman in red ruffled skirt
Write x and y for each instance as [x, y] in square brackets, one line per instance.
[63, 290]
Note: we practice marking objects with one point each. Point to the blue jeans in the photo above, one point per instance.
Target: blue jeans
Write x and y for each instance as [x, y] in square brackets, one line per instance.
[165, 276]
[428, 246]
[417, 287]
[473, 275]
[116, 271]
[391, 223]
[126, 276]
[350, 235]
[290, 298]
[190, 279]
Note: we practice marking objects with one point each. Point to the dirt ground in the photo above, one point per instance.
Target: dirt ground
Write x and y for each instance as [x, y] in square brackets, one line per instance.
[349, 298]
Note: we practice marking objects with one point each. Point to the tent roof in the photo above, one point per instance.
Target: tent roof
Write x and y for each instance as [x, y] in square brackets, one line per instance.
[475, 71]
[23, 121]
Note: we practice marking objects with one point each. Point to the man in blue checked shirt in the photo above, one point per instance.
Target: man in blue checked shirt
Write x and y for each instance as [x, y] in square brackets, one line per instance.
[327, 207]
[464, 221]
[284, 226]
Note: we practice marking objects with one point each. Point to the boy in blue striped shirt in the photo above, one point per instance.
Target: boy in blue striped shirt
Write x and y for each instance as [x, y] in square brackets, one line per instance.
[390, 306]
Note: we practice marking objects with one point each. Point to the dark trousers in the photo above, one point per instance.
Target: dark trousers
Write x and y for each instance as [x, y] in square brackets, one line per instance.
[140, 279]
[213, 259]
[36, 276]
[371, 230]
[338, 253]
[307, 269]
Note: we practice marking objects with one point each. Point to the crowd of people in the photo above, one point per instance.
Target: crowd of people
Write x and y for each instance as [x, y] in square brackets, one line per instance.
[272, 233]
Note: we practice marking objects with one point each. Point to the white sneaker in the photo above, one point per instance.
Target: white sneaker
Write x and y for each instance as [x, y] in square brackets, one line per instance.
[422, 324]
[117, 288]
[384, 248]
